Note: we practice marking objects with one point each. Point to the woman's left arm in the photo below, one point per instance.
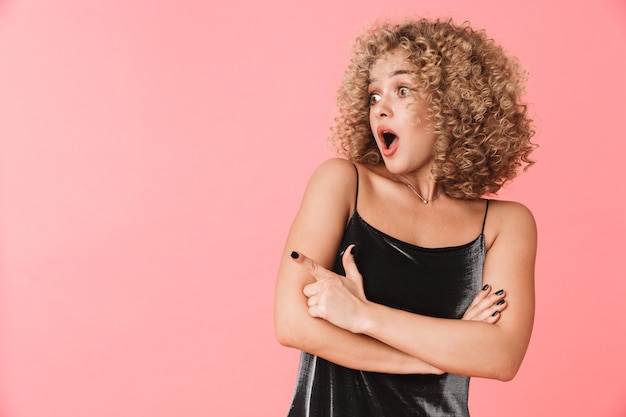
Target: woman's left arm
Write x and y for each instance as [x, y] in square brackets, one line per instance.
[461, 347]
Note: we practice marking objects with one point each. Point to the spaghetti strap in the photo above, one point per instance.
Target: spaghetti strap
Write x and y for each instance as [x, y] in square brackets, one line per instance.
[485, 218]
[356, 197]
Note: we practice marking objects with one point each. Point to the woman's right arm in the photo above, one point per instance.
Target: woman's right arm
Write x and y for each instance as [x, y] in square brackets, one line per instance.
[317, 231]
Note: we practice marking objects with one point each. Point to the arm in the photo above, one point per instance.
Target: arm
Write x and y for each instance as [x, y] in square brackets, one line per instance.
[462, 347]
[317, 230]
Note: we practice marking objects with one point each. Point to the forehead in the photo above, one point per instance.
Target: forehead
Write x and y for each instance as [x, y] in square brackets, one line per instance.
[393, 63]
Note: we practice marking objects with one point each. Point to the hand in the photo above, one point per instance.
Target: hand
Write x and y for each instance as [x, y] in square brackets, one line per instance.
[332, 297]
[486, 307]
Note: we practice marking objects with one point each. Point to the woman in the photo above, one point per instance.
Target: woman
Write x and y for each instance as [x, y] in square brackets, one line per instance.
[396, 269]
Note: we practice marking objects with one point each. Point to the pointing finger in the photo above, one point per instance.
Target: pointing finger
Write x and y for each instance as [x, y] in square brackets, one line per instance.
[319, 272]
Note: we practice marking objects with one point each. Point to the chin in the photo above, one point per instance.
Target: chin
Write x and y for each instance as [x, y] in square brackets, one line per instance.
[396, 167]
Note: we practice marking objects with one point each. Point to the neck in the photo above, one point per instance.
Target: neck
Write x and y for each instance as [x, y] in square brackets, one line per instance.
[426, 191]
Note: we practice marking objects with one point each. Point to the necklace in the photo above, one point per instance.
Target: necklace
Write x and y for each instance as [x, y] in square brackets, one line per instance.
[415, 191]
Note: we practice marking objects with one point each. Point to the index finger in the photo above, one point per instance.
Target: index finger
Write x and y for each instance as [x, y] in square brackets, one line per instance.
[319, 272]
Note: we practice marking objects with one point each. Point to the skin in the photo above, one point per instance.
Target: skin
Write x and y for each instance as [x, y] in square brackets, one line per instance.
[327, 315]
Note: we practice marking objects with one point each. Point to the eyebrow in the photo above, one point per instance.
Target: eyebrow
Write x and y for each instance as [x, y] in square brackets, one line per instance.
[393, 74]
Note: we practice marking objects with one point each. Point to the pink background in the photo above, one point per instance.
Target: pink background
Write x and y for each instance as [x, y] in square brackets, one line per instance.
[154, 153]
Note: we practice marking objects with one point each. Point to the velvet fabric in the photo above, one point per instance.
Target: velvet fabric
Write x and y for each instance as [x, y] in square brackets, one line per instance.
[439, 282]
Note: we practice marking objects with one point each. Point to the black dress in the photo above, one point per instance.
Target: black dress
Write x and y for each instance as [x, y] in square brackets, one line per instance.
[439, 282]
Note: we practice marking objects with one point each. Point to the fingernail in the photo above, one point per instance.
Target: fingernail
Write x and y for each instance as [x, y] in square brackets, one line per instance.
[495, 313]
[486, 287]
[353, 250]
[499, 303]
[500, 292]
[295, 255]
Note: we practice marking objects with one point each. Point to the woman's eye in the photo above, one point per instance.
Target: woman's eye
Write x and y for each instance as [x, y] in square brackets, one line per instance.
[374, 98]
[403, 91]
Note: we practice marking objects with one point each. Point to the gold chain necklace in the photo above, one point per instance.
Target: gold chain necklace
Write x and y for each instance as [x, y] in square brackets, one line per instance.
[415, 191]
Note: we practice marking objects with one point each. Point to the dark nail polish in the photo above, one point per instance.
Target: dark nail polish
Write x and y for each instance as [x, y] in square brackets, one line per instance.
[353, 250]
[486, 287]
[499, 303]
[295, 255]
[500, 292]
[495, 313]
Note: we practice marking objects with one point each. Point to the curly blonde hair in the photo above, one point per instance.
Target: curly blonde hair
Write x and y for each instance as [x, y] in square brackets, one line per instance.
[473, 91]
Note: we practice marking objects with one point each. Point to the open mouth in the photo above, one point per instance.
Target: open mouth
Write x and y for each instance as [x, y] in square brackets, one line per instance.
[388, 138]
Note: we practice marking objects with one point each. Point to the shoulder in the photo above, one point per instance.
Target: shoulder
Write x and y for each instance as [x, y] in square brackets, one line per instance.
[510, 208]
[334, 174]
[336, 168]
[335, 178]
[324, 211]
[510, 220]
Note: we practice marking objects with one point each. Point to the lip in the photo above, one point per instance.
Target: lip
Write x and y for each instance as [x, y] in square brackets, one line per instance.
[384, 149]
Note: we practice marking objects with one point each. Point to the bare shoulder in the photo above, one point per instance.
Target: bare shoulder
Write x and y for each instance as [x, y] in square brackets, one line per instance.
[323, 213]
[510, 209]
[335, 176]
[335, 169]
[331, 186]
[510, 219]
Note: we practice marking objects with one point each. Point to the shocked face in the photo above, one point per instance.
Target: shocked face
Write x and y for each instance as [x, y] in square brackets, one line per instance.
[399, 116]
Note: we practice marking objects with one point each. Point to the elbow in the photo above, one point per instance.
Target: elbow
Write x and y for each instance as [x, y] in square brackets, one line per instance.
[294, 333]
[506, 371]
[506, 362]
[286, 332]
[283, 336]
[506, 375]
